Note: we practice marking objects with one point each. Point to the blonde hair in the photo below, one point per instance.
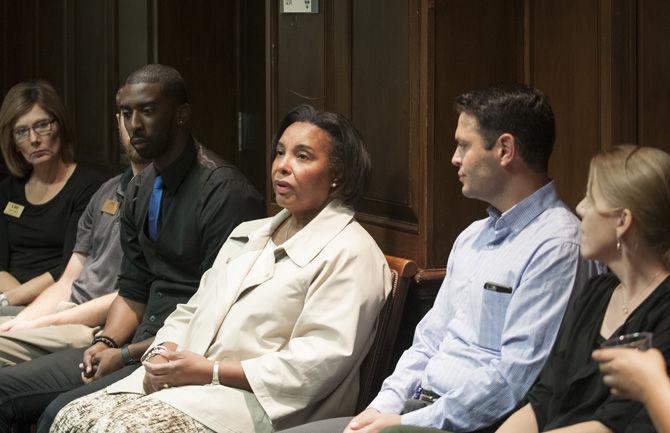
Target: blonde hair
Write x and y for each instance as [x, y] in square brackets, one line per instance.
[20, 99]
[638, 179]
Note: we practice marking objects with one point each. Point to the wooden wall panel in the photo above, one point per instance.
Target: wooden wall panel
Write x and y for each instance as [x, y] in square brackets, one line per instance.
[564, 63]
[18, 42]
[380, 93]
[199, 39]
[300, 42]
[654, 73]
[51, 42]
[251, 90]
[477, 44]
[618, 77]
[94, 82]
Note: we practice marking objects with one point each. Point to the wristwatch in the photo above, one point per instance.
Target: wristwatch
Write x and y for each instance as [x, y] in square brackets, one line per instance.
[125, 356]
[4, 301]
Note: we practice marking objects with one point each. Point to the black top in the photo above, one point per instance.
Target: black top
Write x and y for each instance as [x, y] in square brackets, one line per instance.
[204, 198]
[41, 238]
[569, 389]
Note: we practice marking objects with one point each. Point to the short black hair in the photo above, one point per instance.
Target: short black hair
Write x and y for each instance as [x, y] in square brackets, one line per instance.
[349, 158]
[171, 81]
[516, 109]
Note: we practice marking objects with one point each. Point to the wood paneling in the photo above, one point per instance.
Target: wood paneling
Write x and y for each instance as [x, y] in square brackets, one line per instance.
[381, 105]
[18, 42]
[653, 40]
[564, 64]
[199, 39]
[618, 76]
[251, 82]
[477, 44]
[92, 81]
[300, 42]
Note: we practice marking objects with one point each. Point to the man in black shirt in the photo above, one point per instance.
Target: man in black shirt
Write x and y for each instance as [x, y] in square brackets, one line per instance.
[171, 232]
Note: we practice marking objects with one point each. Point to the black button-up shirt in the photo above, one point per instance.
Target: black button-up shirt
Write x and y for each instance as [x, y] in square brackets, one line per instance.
[204, 198]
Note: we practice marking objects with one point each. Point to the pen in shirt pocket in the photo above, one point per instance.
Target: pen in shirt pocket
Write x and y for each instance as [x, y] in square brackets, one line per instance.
[496, 287]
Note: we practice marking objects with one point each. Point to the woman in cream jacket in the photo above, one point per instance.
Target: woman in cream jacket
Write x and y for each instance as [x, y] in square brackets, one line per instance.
[276, 333]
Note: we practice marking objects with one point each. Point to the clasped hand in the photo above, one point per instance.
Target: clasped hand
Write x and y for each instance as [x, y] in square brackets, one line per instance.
[99, 360]
[173, 368]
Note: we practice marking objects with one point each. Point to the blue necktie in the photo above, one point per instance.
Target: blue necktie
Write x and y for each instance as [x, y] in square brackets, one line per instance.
[155, 207]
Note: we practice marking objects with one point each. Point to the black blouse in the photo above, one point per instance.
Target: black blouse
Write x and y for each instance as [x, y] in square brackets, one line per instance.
[569, 389]
[41, 238]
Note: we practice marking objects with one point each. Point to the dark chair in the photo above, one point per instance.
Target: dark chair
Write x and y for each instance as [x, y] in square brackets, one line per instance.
[376, 364]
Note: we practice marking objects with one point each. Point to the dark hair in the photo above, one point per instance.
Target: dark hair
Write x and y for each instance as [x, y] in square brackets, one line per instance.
[171, 81]
[516, 109]
[20, 99]
[349, 158]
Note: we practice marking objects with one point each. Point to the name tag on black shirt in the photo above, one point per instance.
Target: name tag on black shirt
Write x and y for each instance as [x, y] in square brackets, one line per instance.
[13, 209]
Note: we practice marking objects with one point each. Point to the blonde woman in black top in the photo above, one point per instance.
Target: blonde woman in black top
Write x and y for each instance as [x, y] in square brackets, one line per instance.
[625, 218]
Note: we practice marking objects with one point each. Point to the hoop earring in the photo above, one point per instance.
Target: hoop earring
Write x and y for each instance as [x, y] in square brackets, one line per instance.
[333, 184]
[618, 245]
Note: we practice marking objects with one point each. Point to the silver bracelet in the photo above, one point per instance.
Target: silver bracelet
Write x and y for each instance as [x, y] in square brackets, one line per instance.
[4, 301]
[215, 374]
[156, 350]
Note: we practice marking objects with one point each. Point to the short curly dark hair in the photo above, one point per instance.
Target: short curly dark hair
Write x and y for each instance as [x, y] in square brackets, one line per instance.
[516, 109]
[349, 158]
[171, 82]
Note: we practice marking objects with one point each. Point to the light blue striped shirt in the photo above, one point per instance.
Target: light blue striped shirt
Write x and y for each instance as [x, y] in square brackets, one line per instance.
[481, 350]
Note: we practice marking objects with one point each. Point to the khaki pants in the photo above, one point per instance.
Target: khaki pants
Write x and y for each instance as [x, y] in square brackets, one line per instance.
[28, 344]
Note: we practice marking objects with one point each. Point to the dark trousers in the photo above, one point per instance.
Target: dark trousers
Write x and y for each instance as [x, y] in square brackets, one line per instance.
[27, 389]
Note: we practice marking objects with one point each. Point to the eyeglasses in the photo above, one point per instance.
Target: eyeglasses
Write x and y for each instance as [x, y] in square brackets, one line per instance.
[41, 128]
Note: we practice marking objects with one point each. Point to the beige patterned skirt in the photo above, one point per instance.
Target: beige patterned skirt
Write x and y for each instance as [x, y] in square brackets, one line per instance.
[121, 413]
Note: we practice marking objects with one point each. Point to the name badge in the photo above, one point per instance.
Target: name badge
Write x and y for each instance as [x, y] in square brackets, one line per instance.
[110, 207]
[14, 209]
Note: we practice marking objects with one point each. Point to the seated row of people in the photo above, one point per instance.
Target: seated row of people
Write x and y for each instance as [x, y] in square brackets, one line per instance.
[69, 312]
[281, 320]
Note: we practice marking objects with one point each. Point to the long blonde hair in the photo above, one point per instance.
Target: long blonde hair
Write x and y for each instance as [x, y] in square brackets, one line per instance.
[638, 179]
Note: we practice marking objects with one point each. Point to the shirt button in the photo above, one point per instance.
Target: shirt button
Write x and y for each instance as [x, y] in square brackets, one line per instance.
[160, 294]
[152, 319]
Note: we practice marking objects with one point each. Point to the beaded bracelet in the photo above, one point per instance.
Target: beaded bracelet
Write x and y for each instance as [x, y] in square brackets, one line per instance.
[107, 341]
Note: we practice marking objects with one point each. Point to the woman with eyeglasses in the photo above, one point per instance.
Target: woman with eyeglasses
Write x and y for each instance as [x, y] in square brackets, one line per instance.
[42, 199]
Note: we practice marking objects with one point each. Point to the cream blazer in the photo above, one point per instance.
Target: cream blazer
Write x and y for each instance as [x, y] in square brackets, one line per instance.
[300, 318]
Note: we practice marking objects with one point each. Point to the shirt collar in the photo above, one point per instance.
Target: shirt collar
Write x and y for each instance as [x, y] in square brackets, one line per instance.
[521, 214]
[123, 182]
[311, 239]
[175, 172]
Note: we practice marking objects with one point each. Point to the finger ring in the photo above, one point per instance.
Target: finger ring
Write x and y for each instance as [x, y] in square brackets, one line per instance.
[166, 386]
